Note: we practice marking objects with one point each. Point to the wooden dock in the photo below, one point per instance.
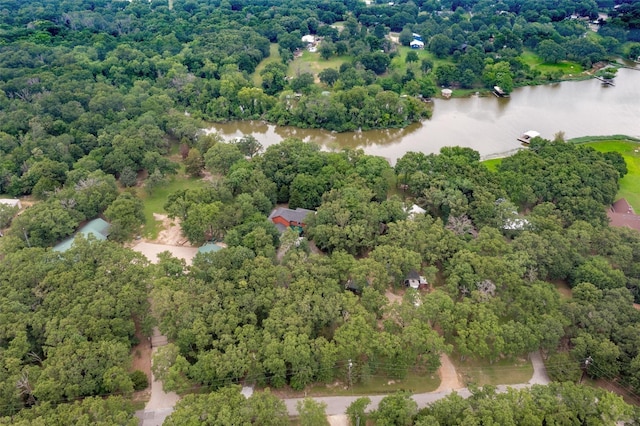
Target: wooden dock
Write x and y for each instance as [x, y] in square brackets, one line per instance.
[605, 81]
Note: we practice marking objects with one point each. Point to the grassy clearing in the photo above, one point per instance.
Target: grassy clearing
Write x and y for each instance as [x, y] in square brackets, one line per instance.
[502, 372]
[493, 164]
[154, 203]
[274, 56]
[379, 385]
[564, 289]
[630, 151]
[312, 62]
[399, 63]
[536, 62]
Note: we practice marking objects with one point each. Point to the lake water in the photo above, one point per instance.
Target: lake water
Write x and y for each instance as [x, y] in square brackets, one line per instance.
[487, 124]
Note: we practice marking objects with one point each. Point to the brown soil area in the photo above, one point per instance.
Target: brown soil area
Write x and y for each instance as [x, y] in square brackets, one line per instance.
[448, 376]
[141, 353]
[391, 297]
[171, 233]
[637, 306]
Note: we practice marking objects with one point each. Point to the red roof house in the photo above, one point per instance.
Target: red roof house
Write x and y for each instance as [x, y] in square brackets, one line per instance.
[284, 217]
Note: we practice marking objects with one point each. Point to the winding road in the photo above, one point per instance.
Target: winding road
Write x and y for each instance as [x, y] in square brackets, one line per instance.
[338, 404]
[161, 404]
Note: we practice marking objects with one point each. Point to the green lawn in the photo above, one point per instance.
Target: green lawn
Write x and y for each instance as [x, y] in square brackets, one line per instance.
[535, 62]
[414, 382]
[274, 56]
[502, 372]
[313, 63]
[399, 63]
[492, 164]
[630, 184]
[154, 203]
[563, 288]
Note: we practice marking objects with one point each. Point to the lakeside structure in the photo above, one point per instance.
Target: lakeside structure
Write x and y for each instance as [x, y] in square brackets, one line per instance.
[526, 137]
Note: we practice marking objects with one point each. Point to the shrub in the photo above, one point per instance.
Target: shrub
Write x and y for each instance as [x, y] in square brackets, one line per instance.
[139, 379]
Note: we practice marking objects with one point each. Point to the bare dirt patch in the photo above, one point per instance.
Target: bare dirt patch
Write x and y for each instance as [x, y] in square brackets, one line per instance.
[338, 420]
[392, 297]
[141, 360]
[171, 232]
[637, 306]
[151, 251]
[448, 375]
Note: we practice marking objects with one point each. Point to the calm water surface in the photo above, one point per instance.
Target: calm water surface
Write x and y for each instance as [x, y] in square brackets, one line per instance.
[489, 125]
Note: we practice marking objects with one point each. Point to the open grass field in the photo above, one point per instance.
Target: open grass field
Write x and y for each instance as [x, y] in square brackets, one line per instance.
[630, 184]
[492, 164]
[399, 63]
[415, 382]
[312, 62]
[274, 56]
[501, 372]
[154, 203]
[536, 62]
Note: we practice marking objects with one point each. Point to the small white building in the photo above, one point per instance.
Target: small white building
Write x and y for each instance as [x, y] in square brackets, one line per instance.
[446, 93]
[13, 202]
[309, 38]
[416, 44]
[414, 210]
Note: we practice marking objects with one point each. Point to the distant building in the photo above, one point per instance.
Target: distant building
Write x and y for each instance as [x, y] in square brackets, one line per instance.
[527, 136]
[209, 248]
[417, 37]
[285, 218]
[414, 211]
[13, 202]
[99, 228]
[308, 39]
[414, 280]
[416, 44]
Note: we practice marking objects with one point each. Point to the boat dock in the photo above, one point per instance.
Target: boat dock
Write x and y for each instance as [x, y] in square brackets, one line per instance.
[526, 137]
[605, 81]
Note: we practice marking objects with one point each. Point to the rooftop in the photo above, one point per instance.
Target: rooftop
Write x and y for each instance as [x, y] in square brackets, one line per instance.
[297, 215]
[99, 228]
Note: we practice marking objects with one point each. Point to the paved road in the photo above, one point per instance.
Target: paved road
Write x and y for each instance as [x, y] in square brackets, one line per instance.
[338, 404]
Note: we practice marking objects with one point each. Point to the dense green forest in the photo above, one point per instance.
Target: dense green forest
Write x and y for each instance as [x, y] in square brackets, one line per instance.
[101, 99]
[87, 86]
[244, 314]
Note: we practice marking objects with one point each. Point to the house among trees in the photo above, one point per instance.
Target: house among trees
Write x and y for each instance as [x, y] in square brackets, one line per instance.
[99, 228]
[414, 211]
[417, 44]
[285, 218]
[622, 214]
[210, 248]
[309, 39]
[414, 280]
